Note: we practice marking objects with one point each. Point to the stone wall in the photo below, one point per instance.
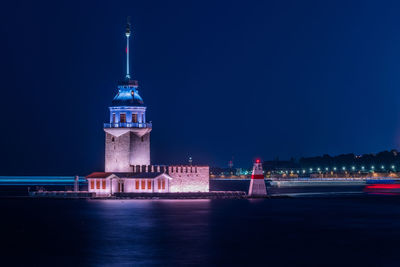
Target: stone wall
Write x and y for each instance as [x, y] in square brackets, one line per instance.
[189, 178]
[117, 153]
[123, 151]
[140, 150]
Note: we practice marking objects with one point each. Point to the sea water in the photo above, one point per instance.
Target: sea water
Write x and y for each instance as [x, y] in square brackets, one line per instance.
[342, 230]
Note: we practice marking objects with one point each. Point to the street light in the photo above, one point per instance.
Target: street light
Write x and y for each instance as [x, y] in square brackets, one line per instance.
[327, 169]
[344, 168]
[353, 168]
[362, 167]
[334, 168]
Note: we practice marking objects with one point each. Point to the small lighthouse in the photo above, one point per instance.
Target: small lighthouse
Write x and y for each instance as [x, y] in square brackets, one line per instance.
[257, 183]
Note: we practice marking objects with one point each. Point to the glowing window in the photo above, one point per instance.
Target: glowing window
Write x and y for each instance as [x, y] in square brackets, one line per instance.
[98, 184]
[122, 118]
[137, 184]
[91, 184]
[104, 184]
[148, 184]
[143, 184]
[134, 117]
[163, 184]
[159, 184]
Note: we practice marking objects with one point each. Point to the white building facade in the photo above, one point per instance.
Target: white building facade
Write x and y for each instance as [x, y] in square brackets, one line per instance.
[171, 179]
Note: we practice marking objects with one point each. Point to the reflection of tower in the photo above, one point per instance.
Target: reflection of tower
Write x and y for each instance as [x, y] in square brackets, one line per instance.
[257, 183]
[127, 133]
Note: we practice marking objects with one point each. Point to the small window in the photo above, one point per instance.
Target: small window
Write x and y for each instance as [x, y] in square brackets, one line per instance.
[134, 117]
[143, 184]
[163, 184]
[113, 140]
[137, 184]
[91, 184]
[113, 118]
[122, 118]
[148, 184]
[142, 139]
[98, 184]
[104, 184]
[159, 184]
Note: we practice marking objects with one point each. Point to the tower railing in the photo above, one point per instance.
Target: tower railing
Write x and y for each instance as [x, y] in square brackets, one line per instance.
[127, 125]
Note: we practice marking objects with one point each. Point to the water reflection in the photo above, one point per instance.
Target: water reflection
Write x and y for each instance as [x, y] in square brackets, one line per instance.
[148, 231]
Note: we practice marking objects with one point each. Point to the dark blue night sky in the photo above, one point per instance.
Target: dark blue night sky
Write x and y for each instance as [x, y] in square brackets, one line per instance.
[220, 79]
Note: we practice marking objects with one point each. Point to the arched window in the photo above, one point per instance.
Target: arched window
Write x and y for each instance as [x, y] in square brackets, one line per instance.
[122, 118]
[134, 117]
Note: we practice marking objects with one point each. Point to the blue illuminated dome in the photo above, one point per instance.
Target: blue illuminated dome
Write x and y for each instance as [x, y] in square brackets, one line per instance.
[128, 95]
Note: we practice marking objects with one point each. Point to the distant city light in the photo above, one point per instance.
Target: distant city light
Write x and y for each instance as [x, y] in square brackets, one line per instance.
[362, 167]
[310, 169]
[372, 167]
[382, 167]
[318, 169]
[304, 171]
[326, 169]
[393, 166]
[353, 168]
[334, 168]
[344, 168]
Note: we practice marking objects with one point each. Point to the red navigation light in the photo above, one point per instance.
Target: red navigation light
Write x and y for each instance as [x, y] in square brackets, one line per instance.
[257, 160]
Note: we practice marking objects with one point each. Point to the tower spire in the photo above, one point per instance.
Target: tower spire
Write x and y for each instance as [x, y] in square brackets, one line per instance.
[127, 34]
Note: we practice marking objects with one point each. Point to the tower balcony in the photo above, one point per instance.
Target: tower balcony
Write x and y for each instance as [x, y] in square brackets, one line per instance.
[128, 125]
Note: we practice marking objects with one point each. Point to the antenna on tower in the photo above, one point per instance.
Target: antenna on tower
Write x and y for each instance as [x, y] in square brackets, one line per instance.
[127, 34]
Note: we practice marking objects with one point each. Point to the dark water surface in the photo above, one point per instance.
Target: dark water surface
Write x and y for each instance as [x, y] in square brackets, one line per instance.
[313, 231]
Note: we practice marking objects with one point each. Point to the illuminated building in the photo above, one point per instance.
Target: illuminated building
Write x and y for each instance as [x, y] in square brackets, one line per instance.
[127, 150]
[257, 183]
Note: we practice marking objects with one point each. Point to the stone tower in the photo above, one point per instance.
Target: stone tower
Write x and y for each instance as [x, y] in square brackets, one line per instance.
[127, 133]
